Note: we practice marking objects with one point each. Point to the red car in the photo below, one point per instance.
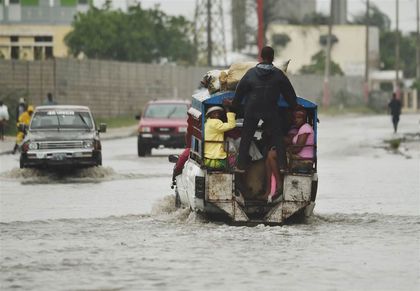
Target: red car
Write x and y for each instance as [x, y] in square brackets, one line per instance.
[164, 123]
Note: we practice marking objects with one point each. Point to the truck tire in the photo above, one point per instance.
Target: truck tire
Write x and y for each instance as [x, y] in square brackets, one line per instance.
[177, 199]
[148, 151]
[22, 162]
[141, 148]
[99, 159]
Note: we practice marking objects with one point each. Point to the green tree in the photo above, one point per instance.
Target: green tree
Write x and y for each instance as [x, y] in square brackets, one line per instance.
[138, 35]
[376, 18]
[317, 66]
[387, 42]
[315, 18]
[407, 52]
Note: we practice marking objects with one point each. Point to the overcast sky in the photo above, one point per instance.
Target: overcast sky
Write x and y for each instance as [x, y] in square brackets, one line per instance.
[407, 15]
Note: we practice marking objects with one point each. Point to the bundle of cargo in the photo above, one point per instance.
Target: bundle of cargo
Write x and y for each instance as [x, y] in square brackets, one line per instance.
[227, 80]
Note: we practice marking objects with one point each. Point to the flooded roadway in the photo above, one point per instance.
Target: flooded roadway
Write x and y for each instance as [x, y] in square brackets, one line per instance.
[116, 228]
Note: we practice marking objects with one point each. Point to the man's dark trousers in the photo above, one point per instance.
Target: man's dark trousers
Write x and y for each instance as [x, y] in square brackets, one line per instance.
[248, 130]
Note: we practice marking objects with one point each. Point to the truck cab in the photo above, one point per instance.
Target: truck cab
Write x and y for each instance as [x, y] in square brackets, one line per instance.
[162, 124]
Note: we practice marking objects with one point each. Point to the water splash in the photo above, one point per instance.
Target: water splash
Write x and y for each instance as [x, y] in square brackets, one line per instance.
[49, 176]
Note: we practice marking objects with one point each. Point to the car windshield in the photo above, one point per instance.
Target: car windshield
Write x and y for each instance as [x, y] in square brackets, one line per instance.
[69, 119]
[160, 110]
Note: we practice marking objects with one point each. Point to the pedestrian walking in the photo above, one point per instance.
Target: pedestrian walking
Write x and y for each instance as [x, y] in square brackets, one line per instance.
[49, 100]
[22, 106]
[23, 122]
[4, 118]
[394, 107]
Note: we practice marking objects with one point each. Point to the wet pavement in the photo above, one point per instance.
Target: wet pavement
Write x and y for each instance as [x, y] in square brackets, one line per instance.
[115, 227]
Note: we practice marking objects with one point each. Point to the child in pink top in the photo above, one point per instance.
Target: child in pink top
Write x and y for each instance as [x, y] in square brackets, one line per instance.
[305, 135]
[302, 137]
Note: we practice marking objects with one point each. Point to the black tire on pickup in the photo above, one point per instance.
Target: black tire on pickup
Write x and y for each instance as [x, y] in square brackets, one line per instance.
[22, 164]
[98, 159]
[141, 148]
[177, 199]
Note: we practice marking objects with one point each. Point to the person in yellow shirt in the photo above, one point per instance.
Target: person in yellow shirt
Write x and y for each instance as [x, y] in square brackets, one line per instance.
[24, 119]
[214, 129]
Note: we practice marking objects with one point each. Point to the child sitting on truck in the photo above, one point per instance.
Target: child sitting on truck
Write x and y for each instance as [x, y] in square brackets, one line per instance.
[214, 129]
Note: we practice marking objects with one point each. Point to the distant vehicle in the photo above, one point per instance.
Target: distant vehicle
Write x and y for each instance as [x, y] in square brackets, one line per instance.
[62, 135]
[163, 123]
[212, 192]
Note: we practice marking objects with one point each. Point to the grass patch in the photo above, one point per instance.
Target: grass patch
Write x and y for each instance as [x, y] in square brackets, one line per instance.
[118, 121]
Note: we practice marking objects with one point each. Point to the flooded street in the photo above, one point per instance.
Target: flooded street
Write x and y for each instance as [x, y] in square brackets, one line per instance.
[115, 227]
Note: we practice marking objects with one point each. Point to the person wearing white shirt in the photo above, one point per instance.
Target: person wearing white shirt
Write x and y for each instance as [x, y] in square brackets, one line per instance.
[4, 117]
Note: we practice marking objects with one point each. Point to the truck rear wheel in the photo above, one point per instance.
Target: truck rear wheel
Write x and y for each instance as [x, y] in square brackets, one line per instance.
[177, 199]
[22, 162]
[99, 159]
[141, 148]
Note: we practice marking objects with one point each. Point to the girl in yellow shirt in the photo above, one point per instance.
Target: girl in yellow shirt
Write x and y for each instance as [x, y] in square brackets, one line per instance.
[214, 129]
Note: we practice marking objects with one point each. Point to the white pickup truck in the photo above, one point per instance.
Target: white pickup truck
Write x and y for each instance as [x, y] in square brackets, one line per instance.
[62, 135]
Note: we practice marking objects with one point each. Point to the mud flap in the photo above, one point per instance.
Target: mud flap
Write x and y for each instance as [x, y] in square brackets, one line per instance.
[275, 214]
[239, 214]
[233, 210]
[309, 209]
[291, 207]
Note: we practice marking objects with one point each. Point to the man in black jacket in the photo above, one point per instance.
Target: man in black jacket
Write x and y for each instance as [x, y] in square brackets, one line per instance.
[262, 86]
[394, 107]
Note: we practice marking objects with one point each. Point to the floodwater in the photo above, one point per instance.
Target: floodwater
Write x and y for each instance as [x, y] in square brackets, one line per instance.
[115, 228]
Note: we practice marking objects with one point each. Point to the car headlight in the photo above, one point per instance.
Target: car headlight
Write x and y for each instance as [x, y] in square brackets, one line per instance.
[33, 146]
[182, 129]
[145, 129]
[88, 144]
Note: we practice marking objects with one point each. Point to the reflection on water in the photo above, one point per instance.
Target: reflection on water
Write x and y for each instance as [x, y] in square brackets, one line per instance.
[69, 232]
[172, 249]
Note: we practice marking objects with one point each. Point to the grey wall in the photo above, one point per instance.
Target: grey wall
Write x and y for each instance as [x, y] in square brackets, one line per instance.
[118, 88]
[344, 90]
[108, 88]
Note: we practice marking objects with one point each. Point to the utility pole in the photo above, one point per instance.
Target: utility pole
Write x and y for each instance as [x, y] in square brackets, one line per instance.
[366, 93]
[260, 37]
[326, 95]
[209, 32]
[209, 41]
[418, 47]
[397, 51]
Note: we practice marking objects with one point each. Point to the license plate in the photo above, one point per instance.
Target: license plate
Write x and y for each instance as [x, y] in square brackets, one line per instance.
[59, 156]
[164, 136]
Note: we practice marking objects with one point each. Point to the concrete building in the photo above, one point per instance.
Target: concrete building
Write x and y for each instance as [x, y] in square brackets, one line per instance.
[35, 29]
[305, 41]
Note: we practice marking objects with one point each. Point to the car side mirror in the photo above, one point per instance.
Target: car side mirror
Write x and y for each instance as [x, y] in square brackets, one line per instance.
[102, 127]
[173, 158]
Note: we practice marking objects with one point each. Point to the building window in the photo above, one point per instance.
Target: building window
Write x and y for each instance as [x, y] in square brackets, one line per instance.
[38, 53]
[49, 53]
[43, 38]
[15, 53]
[14, 38]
